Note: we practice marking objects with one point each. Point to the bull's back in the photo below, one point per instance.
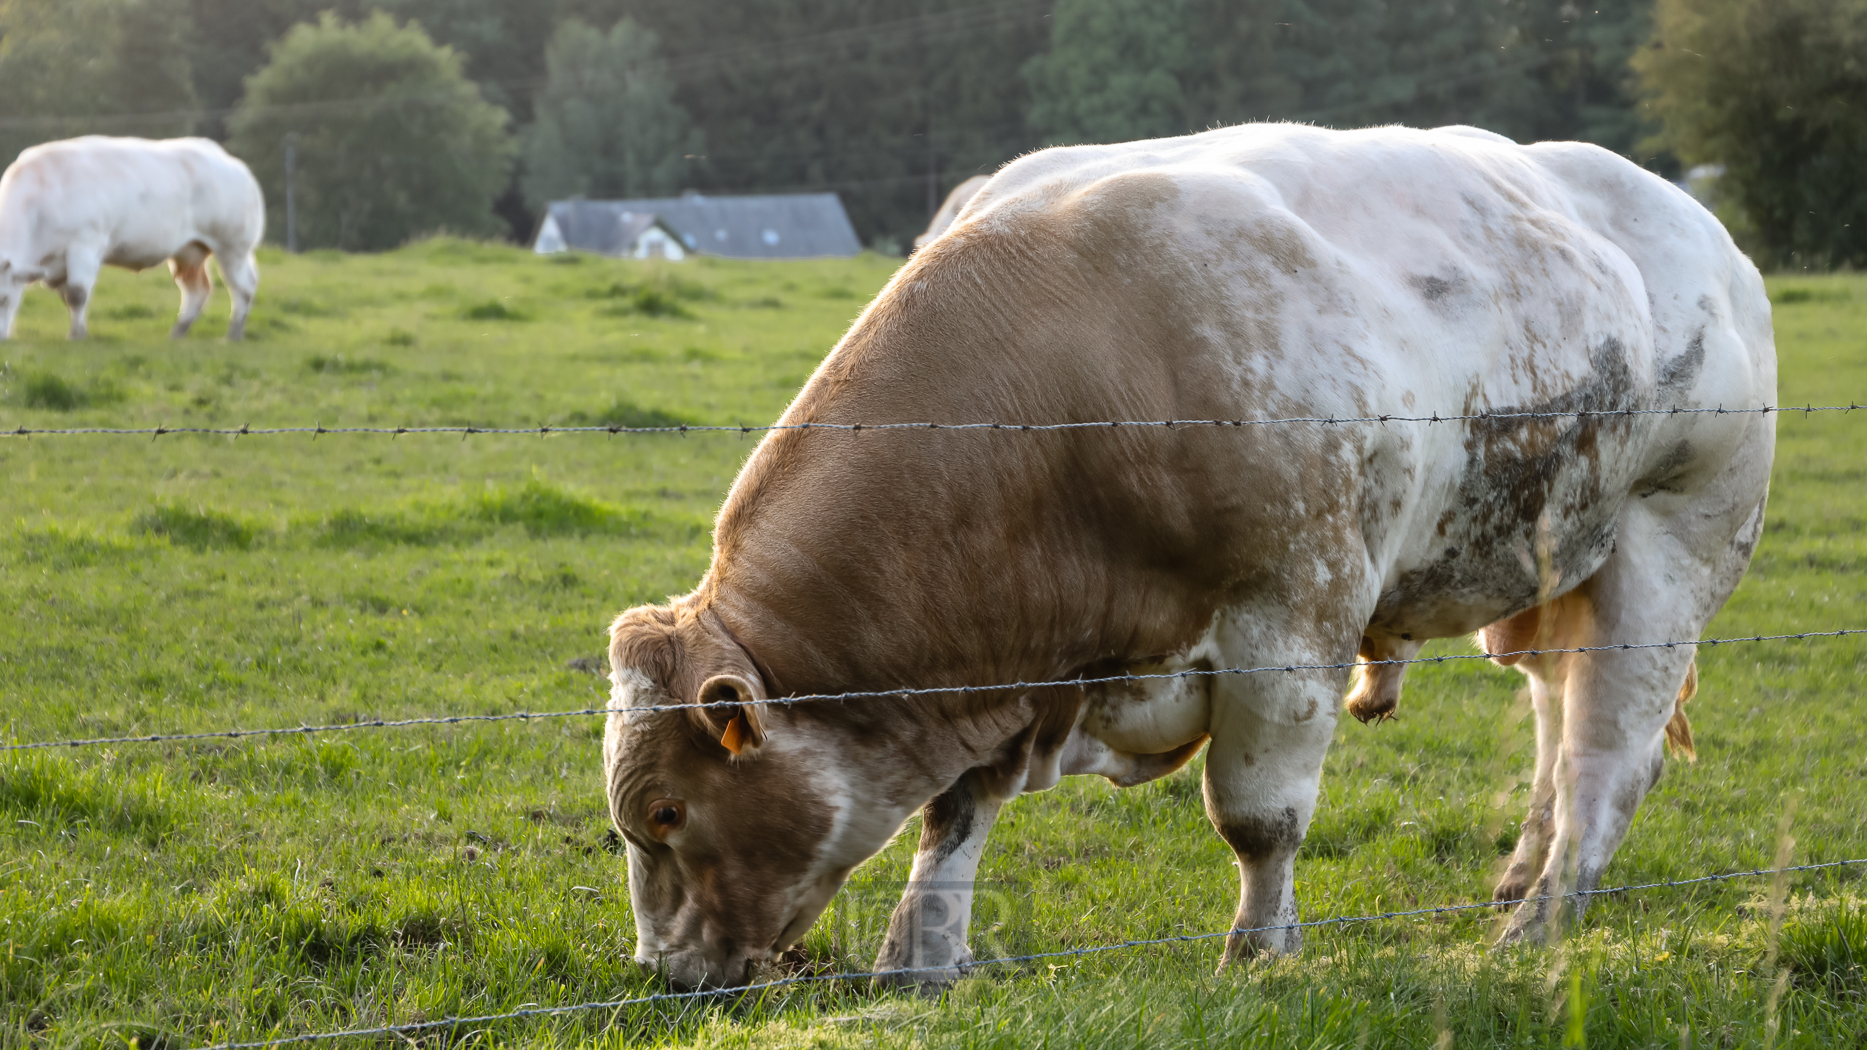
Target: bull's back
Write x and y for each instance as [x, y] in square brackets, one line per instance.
[147, 198]
[1260, 272]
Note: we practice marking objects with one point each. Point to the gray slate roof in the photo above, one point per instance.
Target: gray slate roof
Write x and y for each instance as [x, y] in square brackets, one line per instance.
[779, 226]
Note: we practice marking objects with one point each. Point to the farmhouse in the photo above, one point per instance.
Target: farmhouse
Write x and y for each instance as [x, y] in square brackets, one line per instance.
[776, 226]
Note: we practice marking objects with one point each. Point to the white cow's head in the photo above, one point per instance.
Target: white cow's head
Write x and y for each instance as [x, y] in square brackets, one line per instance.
[734, 814]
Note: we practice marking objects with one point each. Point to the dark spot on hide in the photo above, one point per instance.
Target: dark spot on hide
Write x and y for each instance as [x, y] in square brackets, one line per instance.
[1665, 477]
[1432, 289]
[1679, 374]
[1514, 469]
[1258, 838]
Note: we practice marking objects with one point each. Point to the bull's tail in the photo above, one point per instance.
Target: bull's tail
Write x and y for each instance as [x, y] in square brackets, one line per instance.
[1679, 729]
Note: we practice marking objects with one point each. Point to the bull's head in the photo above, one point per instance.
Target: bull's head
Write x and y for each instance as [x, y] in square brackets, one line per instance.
[737, 819]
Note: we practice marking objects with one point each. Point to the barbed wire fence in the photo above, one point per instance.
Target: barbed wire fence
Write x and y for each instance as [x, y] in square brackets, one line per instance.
[1478, 418]
[545, 430]
[901, 693]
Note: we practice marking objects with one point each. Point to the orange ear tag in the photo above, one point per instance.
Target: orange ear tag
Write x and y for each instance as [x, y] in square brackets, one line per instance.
[734, 739]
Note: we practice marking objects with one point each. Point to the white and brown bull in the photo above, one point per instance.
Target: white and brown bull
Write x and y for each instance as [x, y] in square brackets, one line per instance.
[69, 208]
[1261, 271]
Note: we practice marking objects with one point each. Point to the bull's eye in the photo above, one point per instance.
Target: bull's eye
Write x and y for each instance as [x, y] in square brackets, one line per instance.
[666, 814]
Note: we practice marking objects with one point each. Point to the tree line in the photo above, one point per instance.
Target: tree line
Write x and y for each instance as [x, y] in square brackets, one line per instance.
[407, 116]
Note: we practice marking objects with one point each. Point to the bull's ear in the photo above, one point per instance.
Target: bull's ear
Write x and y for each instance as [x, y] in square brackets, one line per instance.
[731, 713]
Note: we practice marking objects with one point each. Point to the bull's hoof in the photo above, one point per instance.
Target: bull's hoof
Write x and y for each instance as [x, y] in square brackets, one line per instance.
[1508, 891]
[180, 331]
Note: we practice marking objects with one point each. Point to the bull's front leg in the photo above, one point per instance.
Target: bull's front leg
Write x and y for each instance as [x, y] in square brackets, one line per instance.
[1270, 732]
[926, 940]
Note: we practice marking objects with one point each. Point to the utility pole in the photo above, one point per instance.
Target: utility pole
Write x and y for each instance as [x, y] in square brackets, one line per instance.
[291, 209]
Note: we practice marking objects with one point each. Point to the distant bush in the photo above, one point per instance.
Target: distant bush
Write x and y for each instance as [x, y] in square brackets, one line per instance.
[393, 140]
[492, 310]
[200, 529]
[1772, 90]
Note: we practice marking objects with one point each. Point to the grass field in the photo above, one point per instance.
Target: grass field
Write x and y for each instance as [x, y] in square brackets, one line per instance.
[179, 894]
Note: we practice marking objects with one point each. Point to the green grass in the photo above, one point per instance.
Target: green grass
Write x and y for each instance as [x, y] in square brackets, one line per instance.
[193, 892]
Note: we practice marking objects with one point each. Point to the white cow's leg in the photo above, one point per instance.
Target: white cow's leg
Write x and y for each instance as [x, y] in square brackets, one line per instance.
[242, 274]
[927, 933]
[1664, 582]
[82, 265]
[1269, 734]
[189, 267]
[11, 292]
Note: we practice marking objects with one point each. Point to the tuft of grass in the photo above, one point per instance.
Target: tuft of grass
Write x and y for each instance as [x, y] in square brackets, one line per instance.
[61, 547]
[1806, 294]
[338, 364]
[53, 392]
[492, 310]
[1827, 948]
[546, 510]
[128, 312]
[626, 414]
[400, 337]
[649, 302]
[351, 527]
[50, 793]
[199, 529]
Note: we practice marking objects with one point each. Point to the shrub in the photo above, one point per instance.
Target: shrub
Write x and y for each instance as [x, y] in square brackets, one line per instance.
[1773, 90]
[415, 148]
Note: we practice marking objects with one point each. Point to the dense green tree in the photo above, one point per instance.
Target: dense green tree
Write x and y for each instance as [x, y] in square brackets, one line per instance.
[607, 124]
[1119, 69]
[393, 141]
[887, 104]
[74, 67]
[1114, 71]
[1776, 92]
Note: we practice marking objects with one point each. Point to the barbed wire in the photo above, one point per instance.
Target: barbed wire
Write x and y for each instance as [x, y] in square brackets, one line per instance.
[744, 989]
[526, 716]
[317, 430]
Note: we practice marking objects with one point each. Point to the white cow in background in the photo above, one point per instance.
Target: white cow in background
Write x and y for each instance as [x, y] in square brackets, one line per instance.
[67, 208]
[949, 209]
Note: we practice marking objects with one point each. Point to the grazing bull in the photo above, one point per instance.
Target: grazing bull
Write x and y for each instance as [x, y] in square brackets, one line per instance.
[68, 208]
[1254, 272]
[949, 209]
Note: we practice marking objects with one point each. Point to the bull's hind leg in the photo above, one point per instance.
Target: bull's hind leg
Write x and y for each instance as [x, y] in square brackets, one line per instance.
[83, 262]
[1664, 581]
[189, 266]
[242, 273]
[1270, 732]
